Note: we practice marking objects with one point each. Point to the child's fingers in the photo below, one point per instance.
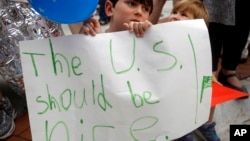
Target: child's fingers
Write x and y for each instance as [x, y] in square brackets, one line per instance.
[95, 22]
[88, 29]
[148, 24]
[138, 29]
[126, 25]
[91, 28]
[141, 27]
[145, 26]
[129, 26]
[95, 25]
[92, 32]
[84, 30]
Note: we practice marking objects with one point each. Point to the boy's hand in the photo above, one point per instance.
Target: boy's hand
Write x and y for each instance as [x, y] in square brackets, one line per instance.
[139, 28]
[91, 27]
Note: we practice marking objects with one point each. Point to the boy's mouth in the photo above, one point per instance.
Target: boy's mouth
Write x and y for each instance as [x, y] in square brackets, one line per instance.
[134, 20]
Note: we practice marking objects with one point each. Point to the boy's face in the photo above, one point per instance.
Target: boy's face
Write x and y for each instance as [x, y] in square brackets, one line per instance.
[125, 11]
[180, 15]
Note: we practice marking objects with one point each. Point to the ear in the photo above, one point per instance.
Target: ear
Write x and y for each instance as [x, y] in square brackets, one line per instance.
[109, 8]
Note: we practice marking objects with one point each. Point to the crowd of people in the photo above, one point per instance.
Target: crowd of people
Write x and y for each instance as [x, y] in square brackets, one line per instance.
[227, 29]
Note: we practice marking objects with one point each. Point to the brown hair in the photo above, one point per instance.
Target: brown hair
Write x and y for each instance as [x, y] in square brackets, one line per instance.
[194, 6]
[144, 2]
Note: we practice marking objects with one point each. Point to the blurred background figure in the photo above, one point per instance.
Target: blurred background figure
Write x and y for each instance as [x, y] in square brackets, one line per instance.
[228, 31]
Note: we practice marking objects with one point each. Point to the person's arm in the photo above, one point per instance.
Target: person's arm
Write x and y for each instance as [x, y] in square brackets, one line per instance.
[157, 9]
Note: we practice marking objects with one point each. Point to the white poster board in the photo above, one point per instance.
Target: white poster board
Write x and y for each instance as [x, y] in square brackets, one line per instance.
[116, 87]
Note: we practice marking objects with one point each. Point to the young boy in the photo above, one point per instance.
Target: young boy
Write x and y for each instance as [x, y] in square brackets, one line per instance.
[124, 15]
[182, 10]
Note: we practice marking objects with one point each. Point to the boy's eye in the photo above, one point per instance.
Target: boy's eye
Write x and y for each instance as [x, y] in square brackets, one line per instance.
[134, 3]
[184, 14]
[131, 3]
[174, 12]
[145, 8]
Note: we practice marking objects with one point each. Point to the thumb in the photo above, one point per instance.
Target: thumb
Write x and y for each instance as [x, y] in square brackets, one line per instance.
[128, 27]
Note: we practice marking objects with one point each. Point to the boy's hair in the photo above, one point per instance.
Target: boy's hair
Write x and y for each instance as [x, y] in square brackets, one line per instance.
[194, 6]
[144, 2]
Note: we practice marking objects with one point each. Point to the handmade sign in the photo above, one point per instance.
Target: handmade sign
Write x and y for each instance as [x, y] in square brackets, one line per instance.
[115, 86]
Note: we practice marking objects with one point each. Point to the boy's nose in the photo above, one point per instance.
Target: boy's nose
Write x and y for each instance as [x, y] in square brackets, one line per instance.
[138, 11]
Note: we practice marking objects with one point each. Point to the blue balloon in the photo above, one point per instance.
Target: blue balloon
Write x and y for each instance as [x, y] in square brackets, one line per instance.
[65, 11]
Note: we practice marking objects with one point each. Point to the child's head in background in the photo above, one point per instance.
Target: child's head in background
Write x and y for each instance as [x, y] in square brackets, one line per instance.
[187, 10]
[125, 11]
